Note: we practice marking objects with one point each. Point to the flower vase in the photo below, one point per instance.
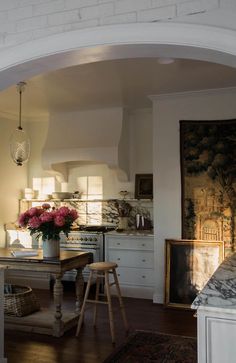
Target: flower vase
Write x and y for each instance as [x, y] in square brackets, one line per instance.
[51, 248]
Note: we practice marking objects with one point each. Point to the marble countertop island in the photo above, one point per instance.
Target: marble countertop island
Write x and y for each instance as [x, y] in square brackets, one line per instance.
[220, 290]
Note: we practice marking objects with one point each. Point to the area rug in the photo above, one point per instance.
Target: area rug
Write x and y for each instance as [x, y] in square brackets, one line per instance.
[151, 347]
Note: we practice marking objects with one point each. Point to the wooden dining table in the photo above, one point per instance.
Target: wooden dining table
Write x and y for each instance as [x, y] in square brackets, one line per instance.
[47, 321]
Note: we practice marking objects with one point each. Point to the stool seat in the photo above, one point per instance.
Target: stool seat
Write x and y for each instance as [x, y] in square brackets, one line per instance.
[102, 266]
[101, 270]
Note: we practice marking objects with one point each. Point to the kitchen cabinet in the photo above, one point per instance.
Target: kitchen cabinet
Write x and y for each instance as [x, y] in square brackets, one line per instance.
[216, 335]
[216, 315]
[134, 254]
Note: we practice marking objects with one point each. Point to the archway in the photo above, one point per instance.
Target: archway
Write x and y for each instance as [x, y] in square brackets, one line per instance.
[115, 42]
[176, 40]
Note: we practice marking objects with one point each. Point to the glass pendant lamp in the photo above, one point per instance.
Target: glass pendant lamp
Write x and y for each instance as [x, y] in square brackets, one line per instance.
[19, 142]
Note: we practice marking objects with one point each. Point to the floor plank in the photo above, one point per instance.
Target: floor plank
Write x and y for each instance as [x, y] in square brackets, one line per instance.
[94, 344]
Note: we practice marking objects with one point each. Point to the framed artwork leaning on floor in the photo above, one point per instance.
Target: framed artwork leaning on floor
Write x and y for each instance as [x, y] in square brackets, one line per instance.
[189, 265]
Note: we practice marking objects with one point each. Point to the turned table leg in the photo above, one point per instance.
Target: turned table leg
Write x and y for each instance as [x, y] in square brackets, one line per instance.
[79, 290]
[58, 325]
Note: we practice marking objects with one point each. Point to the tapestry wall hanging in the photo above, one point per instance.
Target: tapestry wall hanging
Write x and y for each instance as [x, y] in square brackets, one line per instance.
[208, 176]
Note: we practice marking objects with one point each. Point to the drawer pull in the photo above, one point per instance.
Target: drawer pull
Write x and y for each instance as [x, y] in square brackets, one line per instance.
[143, 260]
[143, 244]
[118, 243]
[143, 276]
[118, 274]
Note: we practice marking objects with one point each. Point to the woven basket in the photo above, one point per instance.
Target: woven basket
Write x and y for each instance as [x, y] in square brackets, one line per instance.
[19, 300]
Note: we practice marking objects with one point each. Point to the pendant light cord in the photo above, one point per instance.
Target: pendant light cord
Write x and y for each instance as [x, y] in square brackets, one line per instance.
[19, 127]
[20, 88]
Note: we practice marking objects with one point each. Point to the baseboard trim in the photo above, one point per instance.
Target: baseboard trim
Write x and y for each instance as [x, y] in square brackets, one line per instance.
[158, 298]
[136, 292]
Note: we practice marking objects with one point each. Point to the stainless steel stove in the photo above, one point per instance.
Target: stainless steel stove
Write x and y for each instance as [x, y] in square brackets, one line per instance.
[90, 241]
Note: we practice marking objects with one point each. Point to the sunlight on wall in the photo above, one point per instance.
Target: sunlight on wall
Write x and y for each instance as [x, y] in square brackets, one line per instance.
[44, 186]
[91, 188]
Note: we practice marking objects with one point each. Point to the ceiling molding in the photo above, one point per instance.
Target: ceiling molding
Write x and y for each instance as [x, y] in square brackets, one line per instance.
[206, 92]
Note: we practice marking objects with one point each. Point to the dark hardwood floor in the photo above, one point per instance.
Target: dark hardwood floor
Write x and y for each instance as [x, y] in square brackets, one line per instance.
[94, 345]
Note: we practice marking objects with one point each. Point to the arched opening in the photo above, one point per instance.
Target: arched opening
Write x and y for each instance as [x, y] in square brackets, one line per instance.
[117, 42]
[175, 40]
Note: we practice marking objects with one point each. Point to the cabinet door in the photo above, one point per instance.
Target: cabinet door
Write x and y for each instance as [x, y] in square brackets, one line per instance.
[141, 259]
[221, 335]
[135, 276]
[130, 242]
[216, 336]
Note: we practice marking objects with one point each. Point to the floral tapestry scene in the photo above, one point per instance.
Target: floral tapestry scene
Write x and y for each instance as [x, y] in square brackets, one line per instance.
[208, 176]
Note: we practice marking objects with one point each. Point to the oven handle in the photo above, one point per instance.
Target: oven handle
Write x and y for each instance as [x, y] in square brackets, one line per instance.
[79, 248]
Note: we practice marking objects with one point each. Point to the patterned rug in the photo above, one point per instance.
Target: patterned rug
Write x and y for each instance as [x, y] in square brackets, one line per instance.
[150, 347]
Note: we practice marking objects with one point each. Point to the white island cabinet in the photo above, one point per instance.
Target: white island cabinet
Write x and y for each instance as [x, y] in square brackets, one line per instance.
[134, 254]
[216, 315]
[216, 335]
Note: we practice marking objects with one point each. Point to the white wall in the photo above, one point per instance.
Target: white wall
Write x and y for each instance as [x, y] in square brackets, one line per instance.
[13, 179]
[37, 134]
[141, 142]
[111, 184]
[140, 155]
[167, 111]
[90, 135]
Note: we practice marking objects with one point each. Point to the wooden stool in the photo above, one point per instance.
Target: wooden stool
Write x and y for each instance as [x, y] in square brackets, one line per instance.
[102, 270]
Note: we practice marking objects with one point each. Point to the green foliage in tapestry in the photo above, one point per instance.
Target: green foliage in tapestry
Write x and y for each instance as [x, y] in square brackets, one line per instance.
[190, 219]
[210, 147]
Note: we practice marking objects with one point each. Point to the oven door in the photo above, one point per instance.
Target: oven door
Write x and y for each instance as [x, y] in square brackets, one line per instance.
[71, 275]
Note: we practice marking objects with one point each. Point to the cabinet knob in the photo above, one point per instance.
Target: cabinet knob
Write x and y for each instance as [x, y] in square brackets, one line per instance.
[143, 244]
[143, 276]
[118, 243]
[118, 259]
[143, 260]
[118, 274]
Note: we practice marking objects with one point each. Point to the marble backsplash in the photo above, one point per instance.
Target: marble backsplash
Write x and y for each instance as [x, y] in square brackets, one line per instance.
[110, 211]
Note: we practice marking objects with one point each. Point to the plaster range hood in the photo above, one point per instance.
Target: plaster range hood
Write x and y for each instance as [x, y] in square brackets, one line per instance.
[94, 136]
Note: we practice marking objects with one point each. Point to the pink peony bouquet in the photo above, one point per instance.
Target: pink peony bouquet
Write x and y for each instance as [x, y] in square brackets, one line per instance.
[48, 222]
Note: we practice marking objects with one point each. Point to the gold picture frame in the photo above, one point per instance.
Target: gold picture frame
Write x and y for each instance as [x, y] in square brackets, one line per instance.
[188, 266]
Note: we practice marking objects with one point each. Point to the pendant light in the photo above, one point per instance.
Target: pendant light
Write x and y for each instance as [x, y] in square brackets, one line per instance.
[19, 142]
